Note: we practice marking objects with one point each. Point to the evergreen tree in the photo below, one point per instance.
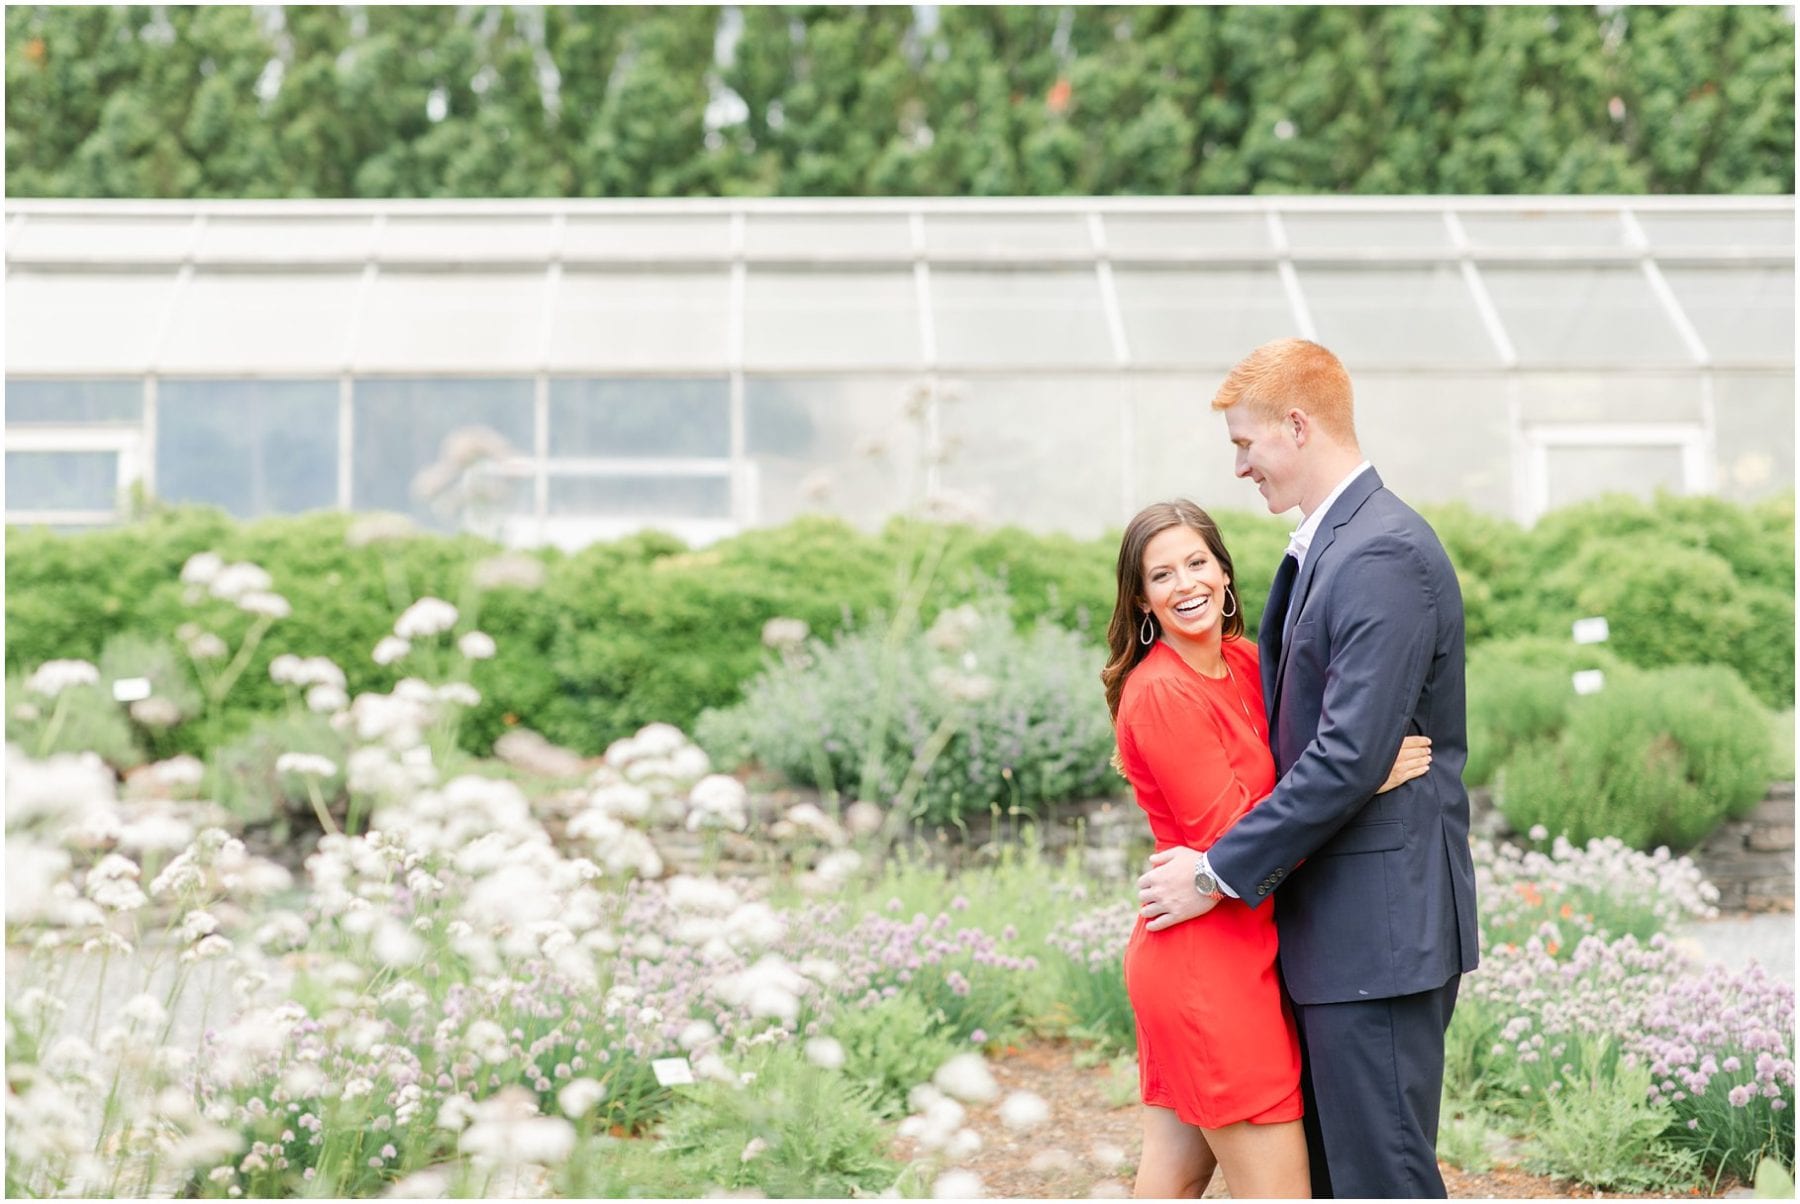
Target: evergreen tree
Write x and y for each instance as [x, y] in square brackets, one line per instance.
[837, 100]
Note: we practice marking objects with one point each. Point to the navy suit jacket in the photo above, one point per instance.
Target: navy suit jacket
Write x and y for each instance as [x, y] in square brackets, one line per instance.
[1384, 903]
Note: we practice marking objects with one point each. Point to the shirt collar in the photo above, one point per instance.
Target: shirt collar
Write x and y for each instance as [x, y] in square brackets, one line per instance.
[1303, 535]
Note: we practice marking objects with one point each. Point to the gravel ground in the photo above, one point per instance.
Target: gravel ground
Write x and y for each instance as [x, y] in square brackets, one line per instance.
[1733, 941]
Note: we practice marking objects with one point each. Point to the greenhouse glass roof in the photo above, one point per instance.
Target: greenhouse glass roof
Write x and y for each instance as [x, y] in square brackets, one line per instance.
[688, 350]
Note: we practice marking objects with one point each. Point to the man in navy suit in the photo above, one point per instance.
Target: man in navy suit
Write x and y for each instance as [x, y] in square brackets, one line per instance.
[1362, 645]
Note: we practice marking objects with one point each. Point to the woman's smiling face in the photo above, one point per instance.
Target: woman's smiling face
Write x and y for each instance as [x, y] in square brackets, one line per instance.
[1184, 584]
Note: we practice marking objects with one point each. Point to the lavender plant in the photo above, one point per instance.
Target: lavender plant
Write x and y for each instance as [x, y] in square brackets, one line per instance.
[976, 714]
[1091, 946]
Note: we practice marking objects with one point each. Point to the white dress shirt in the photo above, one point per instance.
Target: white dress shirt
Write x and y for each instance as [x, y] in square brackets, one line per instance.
[1308, 530]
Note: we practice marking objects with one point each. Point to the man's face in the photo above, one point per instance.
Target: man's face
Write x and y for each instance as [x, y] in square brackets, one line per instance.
[1267, 453]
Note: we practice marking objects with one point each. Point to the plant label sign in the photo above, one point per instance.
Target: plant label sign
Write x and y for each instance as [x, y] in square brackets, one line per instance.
[1590, 681]
[131, 689]
[1591, 631]
[672, 1072]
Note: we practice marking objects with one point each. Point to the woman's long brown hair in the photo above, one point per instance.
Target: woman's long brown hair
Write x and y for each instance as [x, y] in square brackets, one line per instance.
[1123, 647]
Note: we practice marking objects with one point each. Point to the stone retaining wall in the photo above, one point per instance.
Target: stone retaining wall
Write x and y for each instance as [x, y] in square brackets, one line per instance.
[1751, 860]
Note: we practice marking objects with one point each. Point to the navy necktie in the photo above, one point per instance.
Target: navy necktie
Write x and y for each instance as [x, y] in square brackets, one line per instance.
[1274, 622]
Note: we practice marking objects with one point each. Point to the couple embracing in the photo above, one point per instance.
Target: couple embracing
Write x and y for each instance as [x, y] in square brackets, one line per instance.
[1310, 909]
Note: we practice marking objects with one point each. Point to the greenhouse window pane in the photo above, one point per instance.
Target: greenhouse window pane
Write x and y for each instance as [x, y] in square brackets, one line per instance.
[1754, 431]
[641, 320]
[664, 418]
[84, 322]
[451, 321]
[630, 236]
[1019, 317]
[821, 237]
[1610, 397]
[1398, 316]
[1439, 439]
[55, 480]
[1009, 234]
[1584, 315]
[647, 497]
[1211, 316]
[74, 402]
[1603, 230]
[1046, 454]
[1743, 315]
[234, 321]
[1726, 230]
[1179, 447]
[515, 237]
[94, 239]
[1158, 234]
[251, 447]
[406, 426]
[833, 319]
[286, 239]
[1578, 473]
[842, 445]
[1308, 232]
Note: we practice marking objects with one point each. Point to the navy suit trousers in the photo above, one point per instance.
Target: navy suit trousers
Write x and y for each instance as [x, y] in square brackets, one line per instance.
[1372, 1075]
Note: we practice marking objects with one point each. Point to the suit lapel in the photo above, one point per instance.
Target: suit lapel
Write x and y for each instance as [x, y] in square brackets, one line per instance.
[1341, 512]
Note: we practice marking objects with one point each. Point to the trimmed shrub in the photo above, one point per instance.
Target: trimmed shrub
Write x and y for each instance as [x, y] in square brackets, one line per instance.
[644, 629]
[1492, 558]
[1657, 758]
[1669, 604]
[1682, 581]
[1520, 690]
[1757, 541]
[972, 714]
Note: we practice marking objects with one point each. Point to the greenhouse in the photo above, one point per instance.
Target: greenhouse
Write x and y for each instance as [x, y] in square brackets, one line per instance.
[706, 366]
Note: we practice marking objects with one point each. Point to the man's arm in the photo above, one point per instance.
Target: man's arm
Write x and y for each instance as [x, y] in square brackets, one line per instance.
[1382, 637]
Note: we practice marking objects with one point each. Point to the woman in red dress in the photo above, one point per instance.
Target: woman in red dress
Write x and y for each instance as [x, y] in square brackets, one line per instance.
[1218, 1059]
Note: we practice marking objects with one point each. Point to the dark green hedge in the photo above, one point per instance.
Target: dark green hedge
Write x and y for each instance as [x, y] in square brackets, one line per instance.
[874, 100]
[643, 629]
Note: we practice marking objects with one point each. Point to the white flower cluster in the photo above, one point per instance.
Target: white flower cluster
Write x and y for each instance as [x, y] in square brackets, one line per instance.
[425, 618]
[509, 570]
[785, 635]
[937, 1125]
[716, 919]
[657, 777]
[769, 989]
[290, 670]
[377, 528]
[306, 765]
[53, 677]
[953, 628]
[246, 586]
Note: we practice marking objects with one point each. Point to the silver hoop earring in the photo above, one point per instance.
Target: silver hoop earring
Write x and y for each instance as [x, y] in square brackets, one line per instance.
[1146, 631]
[1231, 598]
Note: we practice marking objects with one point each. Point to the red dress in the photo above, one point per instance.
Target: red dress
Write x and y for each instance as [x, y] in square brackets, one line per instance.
[1215, 1039]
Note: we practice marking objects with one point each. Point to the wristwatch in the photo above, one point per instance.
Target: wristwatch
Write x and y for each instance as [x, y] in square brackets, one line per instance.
[1205, 881]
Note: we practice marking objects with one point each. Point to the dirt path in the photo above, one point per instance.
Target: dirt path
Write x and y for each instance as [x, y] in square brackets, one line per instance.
[1089, 1146]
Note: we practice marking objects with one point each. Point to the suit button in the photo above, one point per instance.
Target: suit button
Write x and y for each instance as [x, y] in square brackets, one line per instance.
[1263, 889]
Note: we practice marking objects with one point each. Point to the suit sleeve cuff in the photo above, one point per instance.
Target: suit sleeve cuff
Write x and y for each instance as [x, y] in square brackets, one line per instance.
[1223, 885]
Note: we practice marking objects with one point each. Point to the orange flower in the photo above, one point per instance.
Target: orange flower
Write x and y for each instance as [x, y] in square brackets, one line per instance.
[1551, 948]
[1567, 912]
